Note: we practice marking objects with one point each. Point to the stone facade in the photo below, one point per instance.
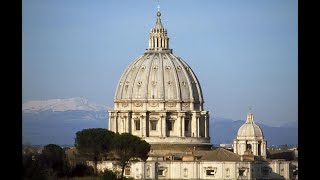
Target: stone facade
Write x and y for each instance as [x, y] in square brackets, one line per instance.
[160, 169]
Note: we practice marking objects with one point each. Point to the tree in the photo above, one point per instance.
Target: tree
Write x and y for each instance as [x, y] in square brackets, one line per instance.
[94, 143]
[81, 170]
[53, 160]
[31, 168]
[128, 147]
[109, 175]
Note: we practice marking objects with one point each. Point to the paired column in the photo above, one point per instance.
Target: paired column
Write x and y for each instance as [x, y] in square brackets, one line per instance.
[276, 167]
[194, 125]
[165, 43]
[126, 124]
[163, 126]
[122, 127]
[207, 129]
[243, 148]
[181, 125]
[263, 148]
[142, 125]
[116, 123]
[198, 126]
[123, 123]
[255, 148]
[110, 116]
[183, 132]
[235, 146]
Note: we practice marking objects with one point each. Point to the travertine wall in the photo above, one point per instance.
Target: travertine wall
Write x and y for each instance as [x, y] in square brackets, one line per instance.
[276, 169]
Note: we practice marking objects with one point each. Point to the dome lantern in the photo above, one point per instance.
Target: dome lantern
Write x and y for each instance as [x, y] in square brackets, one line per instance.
[158, 37]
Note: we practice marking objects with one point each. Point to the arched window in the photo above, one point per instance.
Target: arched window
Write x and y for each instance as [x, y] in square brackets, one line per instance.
[249, 147]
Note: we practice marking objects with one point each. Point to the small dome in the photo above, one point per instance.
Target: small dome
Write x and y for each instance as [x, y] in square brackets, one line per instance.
[250, 129]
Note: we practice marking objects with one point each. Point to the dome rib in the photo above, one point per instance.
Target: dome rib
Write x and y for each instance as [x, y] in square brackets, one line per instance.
[148, 79]
[125, 75]
[196, 91]
[178, 78]
[177, 81]
[199, 90]
[152, 77]
[187, 77]
[135, 81]
[162, 79]
[131, 83]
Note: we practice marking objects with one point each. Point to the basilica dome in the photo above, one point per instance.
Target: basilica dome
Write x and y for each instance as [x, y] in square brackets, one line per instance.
[160, 76]
[159, 98]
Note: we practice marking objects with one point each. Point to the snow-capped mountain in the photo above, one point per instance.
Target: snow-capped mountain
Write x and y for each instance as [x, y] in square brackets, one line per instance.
[57, 120]
[54, 105]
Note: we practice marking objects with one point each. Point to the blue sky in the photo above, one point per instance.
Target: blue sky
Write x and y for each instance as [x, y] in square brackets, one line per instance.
[244, 53]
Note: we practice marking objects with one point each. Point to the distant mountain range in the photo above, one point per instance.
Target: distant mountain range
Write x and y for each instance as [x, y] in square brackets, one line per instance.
[61, 105]
[57, 121]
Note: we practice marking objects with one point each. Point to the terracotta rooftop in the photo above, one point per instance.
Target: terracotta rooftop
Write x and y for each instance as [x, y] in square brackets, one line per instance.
[220, 154]
[281, 154]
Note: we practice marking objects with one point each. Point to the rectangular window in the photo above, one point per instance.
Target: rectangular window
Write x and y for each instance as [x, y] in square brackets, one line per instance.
[186, 125]
[210, 172]
[241, 172]
[153, 125]
[137, 123]
[127, 171]
[161, 172]
[170, 124]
